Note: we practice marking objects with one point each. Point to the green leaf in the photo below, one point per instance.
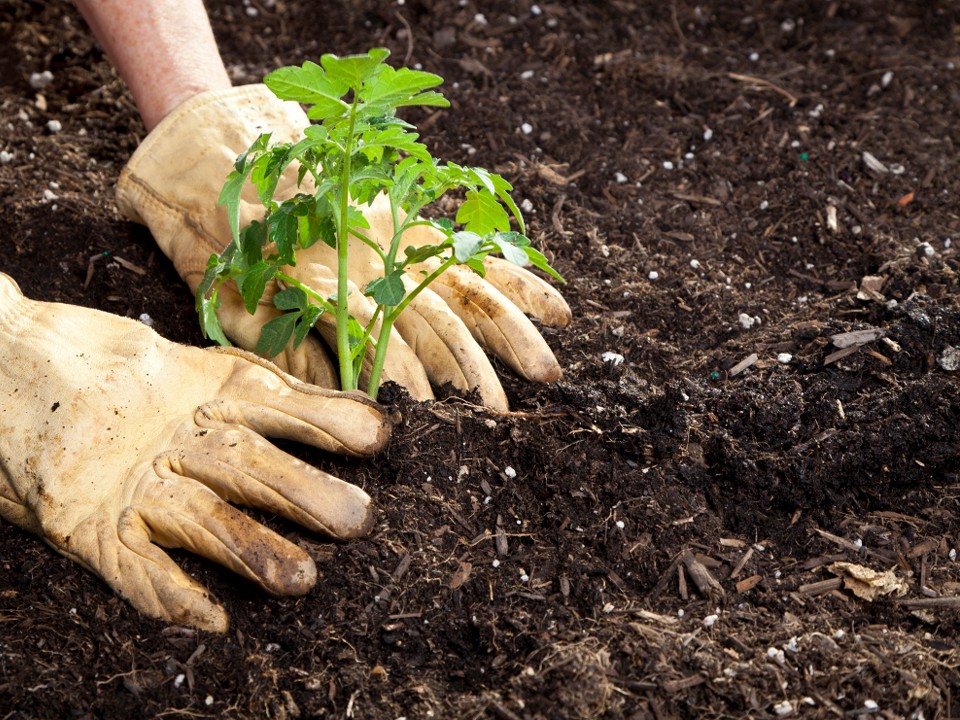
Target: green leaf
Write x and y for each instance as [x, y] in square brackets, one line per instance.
[309, 317]
[291, 298]
[253, 282]
[538, 260]
[249, 246]
[476, 264]
[466, 244]
[275, 334]
[390, 88]
[354, 70]
[210, 321]
[388, 290]
[285, 232]
[230, 196]
[482, 213]
[309, 84]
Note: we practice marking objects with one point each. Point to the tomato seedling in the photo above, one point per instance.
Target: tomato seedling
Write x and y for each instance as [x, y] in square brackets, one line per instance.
[355, 150]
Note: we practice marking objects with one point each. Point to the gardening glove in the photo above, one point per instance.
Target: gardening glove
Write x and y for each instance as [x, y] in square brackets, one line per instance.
[114, 441]
[172, 183]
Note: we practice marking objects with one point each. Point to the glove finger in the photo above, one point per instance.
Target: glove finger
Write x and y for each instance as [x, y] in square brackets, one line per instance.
[183, 514]
[259, 396]
[445, 347]
[242, 467]
[401, 365]
[148, 579]
[532, 294]
[497, 324]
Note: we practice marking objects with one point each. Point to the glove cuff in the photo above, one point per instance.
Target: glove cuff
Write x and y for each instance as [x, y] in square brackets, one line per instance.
[173, 180]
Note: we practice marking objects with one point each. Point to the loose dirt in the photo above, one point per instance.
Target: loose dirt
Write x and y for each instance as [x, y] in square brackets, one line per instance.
[731, 189]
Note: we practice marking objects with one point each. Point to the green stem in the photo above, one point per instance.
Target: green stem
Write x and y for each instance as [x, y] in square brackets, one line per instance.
[390, 318]
[348, 381]
[313, 294]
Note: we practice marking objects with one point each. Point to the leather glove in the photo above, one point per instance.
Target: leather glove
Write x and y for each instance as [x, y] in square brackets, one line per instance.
[172, 183]
[114, 441]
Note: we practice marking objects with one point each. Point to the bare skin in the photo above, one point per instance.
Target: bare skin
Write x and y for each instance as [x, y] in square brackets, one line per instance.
[163, 49]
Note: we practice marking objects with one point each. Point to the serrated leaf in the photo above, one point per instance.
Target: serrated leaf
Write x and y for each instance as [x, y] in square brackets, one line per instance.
[538, 260]
[309, 84]
[210, 321]
[354, 70]
[253, 282]
[291, 298]
[275, 335]
[388, 290]
[285, 233]
[230, 197]
[391, 88]
[466, 244]
[482, 213]
[308, 319]
[249, 247]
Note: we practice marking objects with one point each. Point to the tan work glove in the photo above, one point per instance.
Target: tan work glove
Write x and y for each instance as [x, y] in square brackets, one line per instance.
[172, 183]
[113, 439]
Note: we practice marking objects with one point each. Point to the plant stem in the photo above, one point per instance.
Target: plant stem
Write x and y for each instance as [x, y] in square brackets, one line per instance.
[387, 325]
[348, 380]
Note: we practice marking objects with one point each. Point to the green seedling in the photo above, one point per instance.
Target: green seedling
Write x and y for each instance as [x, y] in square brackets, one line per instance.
[355, 149]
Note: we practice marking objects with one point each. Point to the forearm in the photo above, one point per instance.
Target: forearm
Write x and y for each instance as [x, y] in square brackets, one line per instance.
[163, 49]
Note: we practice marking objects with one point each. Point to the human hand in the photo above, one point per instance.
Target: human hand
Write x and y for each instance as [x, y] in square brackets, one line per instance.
[172, 183]
[115, 441]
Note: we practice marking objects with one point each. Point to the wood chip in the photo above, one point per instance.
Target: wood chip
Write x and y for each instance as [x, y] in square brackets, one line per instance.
[840, 354]
[743, 364]
[819, 588]
[873, 164]
[832, 224]
[706, 583]
[683, 683]
[870, 286]
[461, 575]
[923, 547]
[748, 583]
[856, 337]
[127, 265]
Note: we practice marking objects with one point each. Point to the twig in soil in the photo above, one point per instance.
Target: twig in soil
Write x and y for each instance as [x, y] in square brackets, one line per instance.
[706, 583]
[952, 603]
[821, 587]
[765, 83]
[738, 568]
[743, 364]
[665, 578]
[406, 25]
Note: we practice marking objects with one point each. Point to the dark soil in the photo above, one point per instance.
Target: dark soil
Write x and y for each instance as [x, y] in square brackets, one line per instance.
[652, 539]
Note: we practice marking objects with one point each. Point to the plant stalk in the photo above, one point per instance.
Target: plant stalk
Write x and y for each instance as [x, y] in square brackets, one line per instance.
[348, 379]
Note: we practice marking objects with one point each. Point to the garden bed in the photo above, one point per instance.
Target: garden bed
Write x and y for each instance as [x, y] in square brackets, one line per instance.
[755, 205]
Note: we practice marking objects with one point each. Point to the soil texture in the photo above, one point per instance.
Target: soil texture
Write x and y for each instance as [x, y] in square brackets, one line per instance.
[756, 207]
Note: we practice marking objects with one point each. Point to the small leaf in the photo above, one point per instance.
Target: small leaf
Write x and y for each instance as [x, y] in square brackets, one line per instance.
[538, 260]
[253, 282]
[309, 84]
[275, 334]
[210, 321]
[388, 290]
[230, 196]
[285, 232]
[291, 298]
[466, 244]
[354, 70]
[481, 213]
[308, 319]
